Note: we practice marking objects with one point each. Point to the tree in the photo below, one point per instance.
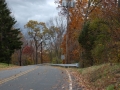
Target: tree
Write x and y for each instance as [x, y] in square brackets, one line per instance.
[100, 33]
[78, 16]
[118, 3]
[28, 53]
[84, 18]
[17, 56]
[38, 32]
[9, 40]
[56, 28]
[25, 43]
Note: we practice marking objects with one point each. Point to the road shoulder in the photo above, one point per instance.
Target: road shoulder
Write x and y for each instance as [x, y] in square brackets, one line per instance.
[76, 80]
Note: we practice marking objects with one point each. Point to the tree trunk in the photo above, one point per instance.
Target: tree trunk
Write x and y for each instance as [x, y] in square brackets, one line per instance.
[20, 61]
[36, 55]
[50, 55]
[9, 59]
[119, 3]
[8, 62]
[41, 54]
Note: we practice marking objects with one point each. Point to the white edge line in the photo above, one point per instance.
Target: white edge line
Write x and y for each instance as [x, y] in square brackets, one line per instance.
[70, 80]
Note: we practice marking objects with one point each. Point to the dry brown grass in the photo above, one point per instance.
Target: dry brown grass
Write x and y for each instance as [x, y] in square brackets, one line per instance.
[99, 77]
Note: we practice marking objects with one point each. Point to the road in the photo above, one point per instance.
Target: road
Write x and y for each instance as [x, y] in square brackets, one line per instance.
[35, 77]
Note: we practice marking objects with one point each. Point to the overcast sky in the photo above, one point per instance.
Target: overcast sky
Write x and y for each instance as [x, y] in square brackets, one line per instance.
[25, 10]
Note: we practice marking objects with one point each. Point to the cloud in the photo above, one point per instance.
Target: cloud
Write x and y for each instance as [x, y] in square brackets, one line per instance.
[25, 10]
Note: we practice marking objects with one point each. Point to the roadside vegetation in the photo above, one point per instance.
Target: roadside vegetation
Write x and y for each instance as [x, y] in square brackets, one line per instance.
[93, 35]
[93, 40]
[101, 77]
[4, 66]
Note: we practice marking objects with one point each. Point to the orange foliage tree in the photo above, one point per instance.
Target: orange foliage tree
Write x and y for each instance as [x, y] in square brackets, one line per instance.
[28, 53]
[77, 17]
[89, 10]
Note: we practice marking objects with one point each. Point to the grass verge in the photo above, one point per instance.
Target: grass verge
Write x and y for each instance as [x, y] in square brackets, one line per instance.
[102, 77]
[4, 66]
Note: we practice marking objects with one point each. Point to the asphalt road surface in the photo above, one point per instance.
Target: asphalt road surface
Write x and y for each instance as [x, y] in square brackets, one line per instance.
[35, 77]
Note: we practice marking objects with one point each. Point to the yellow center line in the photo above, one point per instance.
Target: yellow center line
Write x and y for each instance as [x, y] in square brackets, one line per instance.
[16, 76]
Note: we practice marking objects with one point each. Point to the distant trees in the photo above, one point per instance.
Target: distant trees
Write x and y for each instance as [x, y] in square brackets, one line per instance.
[9, 39]
[37, 32]
[25, 55]
[28, 54]
[56, 27]
[20, 51]
[47, 39]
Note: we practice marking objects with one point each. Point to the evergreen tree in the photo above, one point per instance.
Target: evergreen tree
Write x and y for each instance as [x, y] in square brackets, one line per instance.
[9, 40]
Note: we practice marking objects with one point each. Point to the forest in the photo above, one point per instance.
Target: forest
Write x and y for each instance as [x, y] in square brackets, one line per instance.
[88, 34]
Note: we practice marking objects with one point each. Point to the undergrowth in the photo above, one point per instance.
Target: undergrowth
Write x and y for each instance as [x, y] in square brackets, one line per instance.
[105, 76]
[4, 65]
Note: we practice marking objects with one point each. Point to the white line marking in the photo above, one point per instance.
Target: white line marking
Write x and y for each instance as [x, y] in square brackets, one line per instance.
[70, 80]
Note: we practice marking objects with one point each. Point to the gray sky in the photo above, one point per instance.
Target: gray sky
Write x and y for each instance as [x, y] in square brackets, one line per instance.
[25, 10]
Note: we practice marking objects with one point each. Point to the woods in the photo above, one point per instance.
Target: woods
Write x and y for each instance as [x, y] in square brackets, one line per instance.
[79, 48]
[98, 36]
[95, 25]
[88, 33]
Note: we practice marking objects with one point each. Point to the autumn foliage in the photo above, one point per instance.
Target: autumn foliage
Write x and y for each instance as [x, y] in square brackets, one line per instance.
[93, 32]
[28, 50]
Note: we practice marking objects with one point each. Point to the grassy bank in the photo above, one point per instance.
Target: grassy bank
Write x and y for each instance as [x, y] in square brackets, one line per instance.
[102, 77]
[4, 66]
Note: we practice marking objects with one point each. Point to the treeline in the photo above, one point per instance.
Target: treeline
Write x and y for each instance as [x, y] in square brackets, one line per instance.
[93, 35]
[45, 39]
[100, 35]
[95, 24]
[41, 43]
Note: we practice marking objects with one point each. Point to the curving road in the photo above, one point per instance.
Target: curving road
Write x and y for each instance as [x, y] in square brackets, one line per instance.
[35, 77]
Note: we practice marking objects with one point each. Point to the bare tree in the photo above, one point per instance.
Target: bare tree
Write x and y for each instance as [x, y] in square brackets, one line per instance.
[56, 31]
